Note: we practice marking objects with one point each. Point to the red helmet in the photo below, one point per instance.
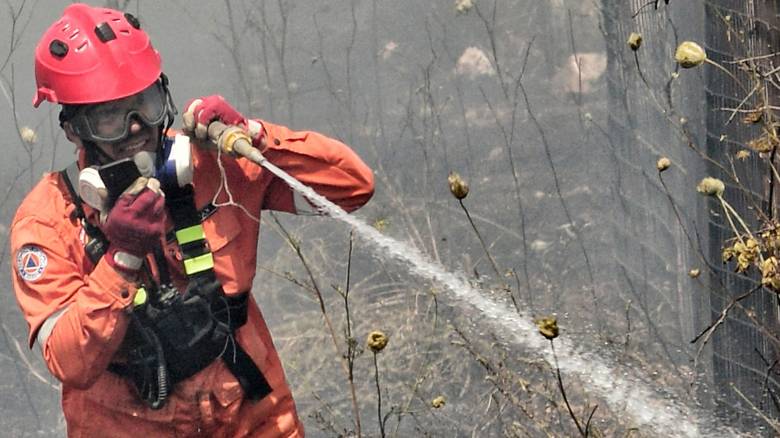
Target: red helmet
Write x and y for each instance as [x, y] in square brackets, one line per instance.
[93, 55]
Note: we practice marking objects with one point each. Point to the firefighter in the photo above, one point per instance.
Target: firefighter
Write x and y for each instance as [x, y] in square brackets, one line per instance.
[139, 295]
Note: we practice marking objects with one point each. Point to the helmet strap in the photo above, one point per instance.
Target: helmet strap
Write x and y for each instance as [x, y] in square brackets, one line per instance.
[171, 112]
[94, 155]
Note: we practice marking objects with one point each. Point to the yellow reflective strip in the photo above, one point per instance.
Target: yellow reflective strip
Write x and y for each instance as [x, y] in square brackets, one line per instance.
[140, 297]
[190, 234]
[198, 264]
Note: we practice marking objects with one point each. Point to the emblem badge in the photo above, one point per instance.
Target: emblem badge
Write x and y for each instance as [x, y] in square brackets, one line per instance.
[30, 262]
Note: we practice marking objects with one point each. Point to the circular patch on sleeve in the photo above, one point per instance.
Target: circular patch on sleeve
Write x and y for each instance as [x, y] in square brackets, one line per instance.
[30, 262]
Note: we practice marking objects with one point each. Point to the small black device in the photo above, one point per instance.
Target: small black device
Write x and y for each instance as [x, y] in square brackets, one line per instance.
[117, 177]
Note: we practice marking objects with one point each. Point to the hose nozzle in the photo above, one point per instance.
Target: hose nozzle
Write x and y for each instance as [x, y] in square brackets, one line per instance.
[234, 141]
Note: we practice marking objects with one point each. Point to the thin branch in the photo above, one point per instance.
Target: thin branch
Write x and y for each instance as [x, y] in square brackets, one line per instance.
[297, 248]
[707, 332]
[378, 397]
[774, 424]
[563, 393]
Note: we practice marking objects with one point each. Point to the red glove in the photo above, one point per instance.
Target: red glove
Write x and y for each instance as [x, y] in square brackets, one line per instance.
[200, 112]
[133, 227]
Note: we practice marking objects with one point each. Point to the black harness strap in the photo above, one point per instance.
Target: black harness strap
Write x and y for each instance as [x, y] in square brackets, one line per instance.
[97, 245]
[181, 206]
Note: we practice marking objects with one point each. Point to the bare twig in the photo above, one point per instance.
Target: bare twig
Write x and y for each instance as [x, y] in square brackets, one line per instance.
[597, 309]
[378, 397]
[295, 245]
[774, 424]
[706, 334]
[563, 393]
[590, 417]
[352, 344]
[481, 240]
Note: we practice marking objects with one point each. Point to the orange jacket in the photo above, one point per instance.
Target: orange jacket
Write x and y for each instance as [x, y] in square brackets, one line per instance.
[78, 312]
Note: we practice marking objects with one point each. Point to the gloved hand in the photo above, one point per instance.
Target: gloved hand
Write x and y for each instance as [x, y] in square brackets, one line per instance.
[200, 112]
[135, 224]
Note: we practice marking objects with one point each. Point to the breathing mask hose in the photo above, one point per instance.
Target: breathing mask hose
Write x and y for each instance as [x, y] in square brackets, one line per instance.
[157, 393]
[234, 141]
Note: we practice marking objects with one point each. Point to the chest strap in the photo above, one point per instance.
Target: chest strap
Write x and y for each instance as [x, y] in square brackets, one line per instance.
[230, 311]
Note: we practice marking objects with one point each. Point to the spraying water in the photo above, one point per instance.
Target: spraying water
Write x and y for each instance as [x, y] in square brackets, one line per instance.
[646, 406]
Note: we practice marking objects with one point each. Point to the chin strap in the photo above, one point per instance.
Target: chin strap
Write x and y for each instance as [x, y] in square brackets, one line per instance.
[170, 110]
[94, 155]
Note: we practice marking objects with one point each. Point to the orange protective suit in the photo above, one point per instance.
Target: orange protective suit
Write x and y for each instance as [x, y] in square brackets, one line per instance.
[79, 312]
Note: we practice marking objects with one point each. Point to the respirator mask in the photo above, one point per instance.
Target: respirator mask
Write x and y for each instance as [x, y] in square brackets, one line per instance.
[100, 186]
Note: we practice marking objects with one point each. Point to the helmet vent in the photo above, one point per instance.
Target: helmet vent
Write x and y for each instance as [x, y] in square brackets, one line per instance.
[132, 20]
[104, 32]
[58, 49]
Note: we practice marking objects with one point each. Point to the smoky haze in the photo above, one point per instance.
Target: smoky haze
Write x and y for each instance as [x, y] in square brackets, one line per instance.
[540, 106]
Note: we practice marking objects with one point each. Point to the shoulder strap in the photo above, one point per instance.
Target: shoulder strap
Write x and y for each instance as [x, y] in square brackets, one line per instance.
[69, 174]
[199, 267]
[97, 243]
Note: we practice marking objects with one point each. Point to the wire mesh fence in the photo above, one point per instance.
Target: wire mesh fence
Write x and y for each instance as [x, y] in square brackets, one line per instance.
[743, 357]
[645, 97]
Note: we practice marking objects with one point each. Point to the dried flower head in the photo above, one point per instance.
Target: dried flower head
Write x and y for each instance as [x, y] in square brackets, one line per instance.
[28, 135]
[770, 277]
[458, 187]
[377, 341]
[764, 144]
[634, 41]
[548, 327]
[381, 224]
[771, 239]
[743, 155]
[745, 252]
[727, 254]
[663, 163]
[463, 6]
[689, 54]
[710, 186]
[438, 402]
[694, 273]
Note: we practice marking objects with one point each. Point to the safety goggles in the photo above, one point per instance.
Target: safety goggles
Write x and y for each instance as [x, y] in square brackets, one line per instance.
[110, 121]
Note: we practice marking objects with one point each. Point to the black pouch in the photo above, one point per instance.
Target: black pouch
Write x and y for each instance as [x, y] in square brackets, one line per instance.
[176, 336]
[190, 334]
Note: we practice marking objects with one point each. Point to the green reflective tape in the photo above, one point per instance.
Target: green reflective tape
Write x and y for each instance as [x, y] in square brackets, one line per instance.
[198, 264]
[140, 297]
[190, 234]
